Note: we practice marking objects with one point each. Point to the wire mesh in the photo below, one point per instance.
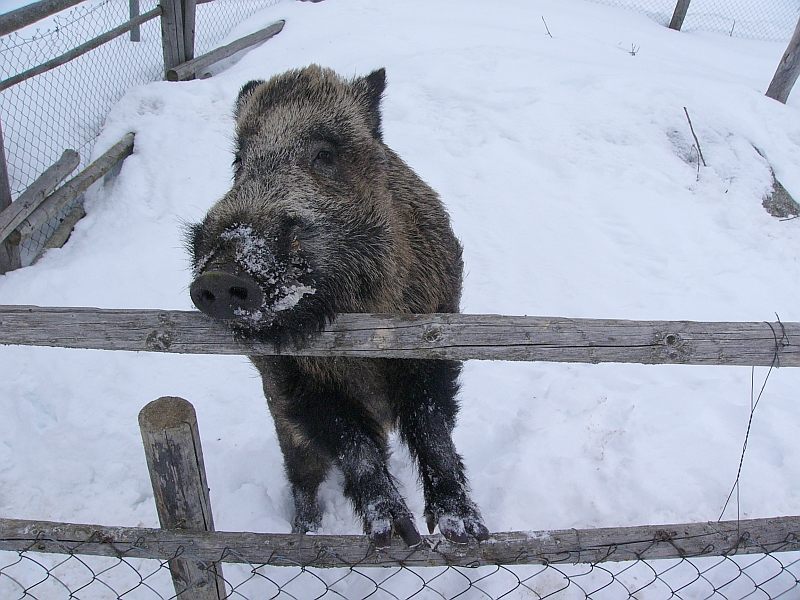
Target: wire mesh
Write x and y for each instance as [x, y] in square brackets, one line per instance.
[772, 20]
[66, 107]
[772, 572]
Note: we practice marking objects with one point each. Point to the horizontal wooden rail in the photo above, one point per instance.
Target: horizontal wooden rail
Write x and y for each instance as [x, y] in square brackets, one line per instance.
[190, 68]
[37, 192]
[435, 336]
[36, 11]
[80, 50]
[74, 187]
[649, 542]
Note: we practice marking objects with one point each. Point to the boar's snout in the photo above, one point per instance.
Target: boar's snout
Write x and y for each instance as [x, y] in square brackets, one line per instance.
[223, 295]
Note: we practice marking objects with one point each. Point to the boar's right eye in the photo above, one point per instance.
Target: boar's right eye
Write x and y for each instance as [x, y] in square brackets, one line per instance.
[324, 158]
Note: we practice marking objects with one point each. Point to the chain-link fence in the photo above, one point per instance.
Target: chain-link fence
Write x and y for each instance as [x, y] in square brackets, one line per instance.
[66, 106]
[741, 569]
[761, 19]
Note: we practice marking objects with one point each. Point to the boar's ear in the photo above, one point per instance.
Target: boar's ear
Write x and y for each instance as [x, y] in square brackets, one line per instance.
[371, 88]
[245, 93]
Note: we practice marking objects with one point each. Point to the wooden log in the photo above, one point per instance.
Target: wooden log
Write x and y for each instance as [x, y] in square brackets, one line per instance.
[189, 70]
[613, 544]
[74, 187]
[177, 472]
[63, 231]
[37, 192]
[28, 15]
[788, 69]
[432, 336]
[681, 8]
[136, 32]
[9, 253]
[172, 34]
[80, 50]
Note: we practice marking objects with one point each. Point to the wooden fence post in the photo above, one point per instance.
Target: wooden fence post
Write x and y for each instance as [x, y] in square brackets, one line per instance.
[788, 69]
[9, 253]
[681, 8]
[189, 9]
[177, 472]
[172, 36]
[136, 33]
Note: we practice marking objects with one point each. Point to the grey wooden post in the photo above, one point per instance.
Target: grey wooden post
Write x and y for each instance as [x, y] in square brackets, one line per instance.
[788, 69]
[172, 37]
[9, 252]
[679, 15]
[175, 460]
[136, 33]
[189, 8]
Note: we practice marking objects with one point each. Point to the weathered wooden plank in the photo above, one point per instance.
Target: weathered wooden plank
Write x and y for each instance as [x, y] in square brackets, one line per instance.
[80, 50]
[649, 542]
[681, 8]
[9, 253]
[788, 69]
[28, 15]
[177, 472]
[37, 192]
[436, 336]
[189, 70]
[63, 231]
[75, 186]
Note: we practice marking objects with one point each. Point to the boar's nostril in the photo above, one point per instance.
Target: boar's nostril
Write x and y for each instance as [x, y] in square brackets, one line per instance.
[238, 292]
[223, 295]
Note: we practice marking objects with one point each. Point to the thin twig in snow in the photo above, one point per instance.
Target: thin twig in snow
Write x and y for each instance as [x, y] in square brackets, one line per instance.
[546, 27]
[696, 141]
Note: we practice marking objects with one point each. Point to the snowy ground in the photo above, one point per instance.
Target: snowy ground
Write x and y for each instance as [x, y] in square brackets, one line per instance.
[567, 166]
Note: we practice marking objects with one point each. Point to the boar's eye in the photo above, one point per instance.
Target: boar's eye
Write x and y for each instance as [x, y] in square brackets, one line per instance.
[324, 158]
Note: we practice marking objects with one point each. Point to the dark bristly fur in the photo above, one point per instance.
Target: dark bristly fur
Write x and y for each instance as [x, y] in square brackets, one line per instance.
[321, 205]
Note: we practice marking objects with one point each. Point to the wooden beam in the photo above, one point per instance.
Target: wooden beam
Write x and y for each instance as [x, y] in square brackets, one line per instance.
[9, 253]
[613, 544]
[189, 70]
[681, 8]
[37, 192]
[788, 70]
[28, 15]
[79, 50]
[177, 472]
[74, 187]
[434, 336]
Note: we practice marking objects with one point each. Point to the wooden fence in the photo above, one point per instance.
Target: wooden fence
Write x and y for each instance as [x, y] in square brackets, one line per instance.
[43, 201]
[195, 552]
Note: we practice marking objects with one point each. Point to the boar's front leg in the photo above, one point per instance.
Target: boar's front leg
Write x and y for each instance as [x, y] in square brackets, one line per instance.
[339, 427]
[425, 400]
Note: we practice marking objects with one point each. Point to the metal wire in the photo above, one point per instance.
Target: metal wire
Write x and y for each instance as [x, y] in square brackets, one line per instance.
[772, 20]
[772, 574]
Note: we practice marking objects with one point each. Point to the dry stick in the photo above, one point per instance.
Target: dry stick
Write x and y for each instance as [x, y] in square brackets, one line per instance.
[696, 141]
[546, 27]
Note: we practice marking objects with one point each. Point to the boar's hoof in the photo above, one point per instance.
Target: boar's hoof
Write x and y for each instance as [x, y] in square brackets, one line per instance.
[223, 295]
[459, 525]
